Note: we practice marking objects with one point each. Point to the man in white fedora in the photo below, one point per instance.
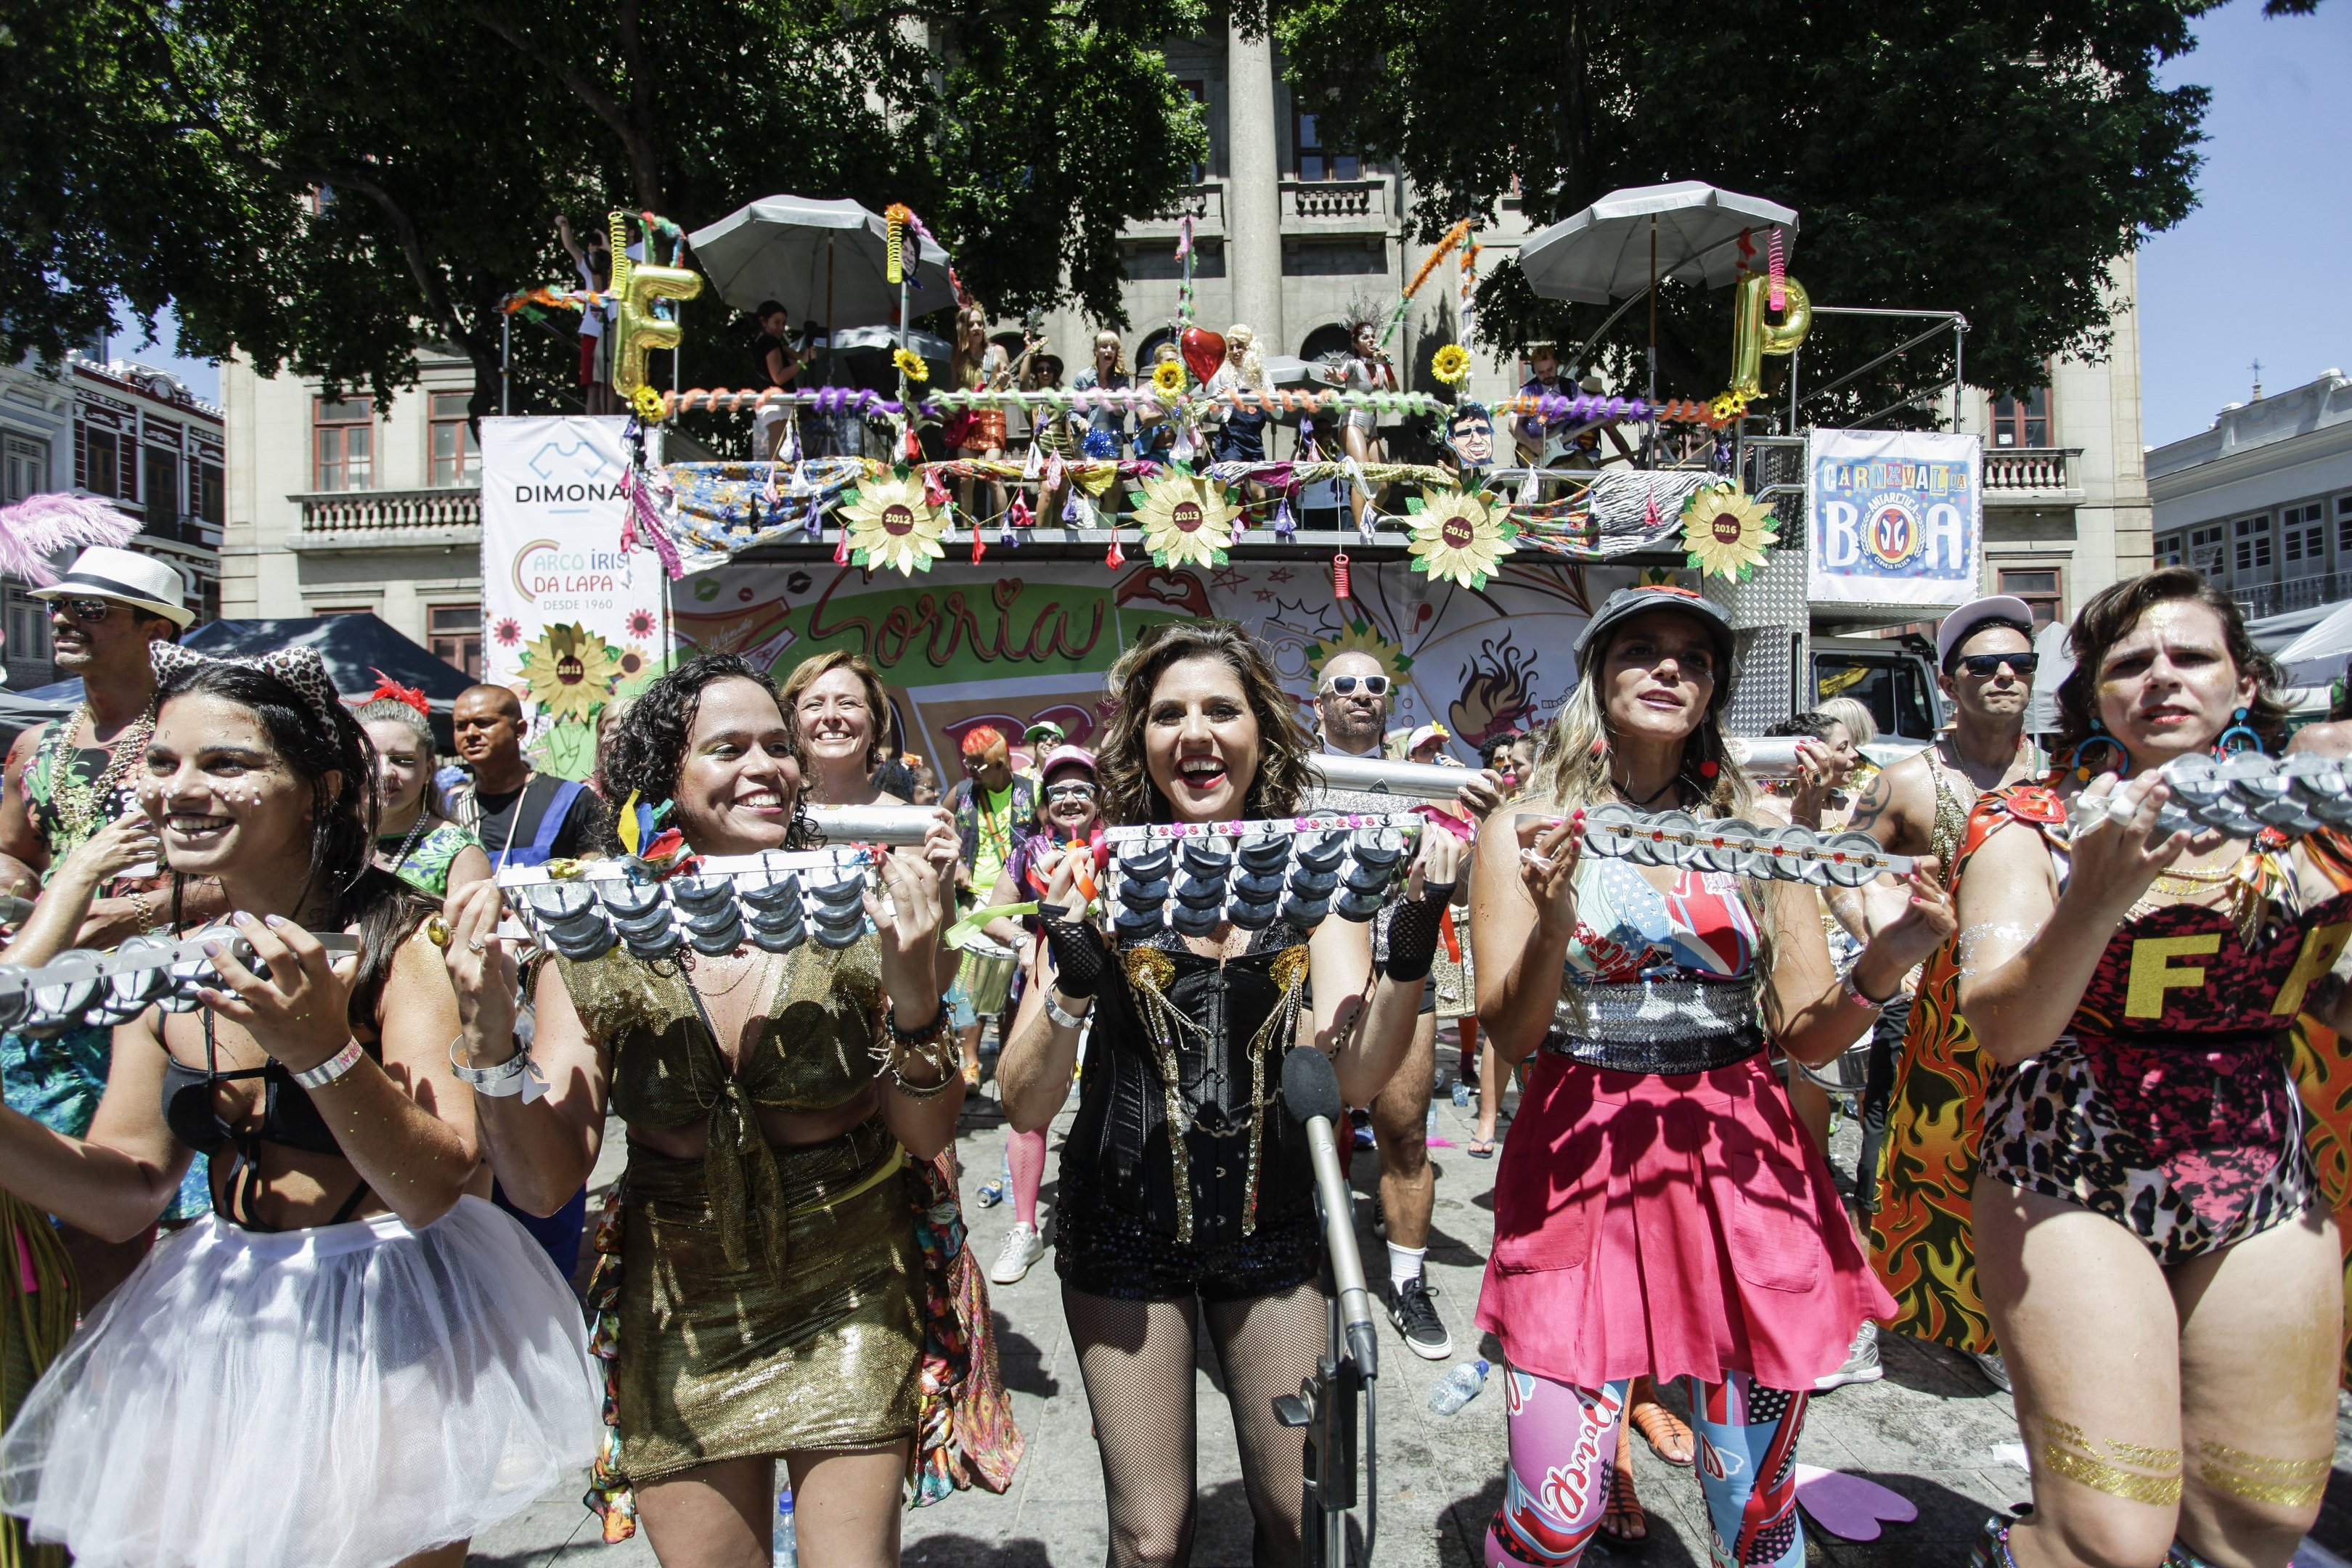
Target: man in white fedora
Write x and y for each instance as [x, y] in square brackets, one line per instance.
[67, 780]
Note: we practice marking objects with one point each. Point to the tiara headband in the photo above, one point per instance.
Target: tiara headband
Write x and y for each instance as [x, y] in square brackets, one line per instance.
[299, 667]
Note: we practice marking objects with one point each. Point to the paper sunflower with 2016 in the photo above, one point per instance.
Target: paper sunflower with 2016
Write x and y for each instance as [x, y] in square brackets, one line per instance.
[1185, 518]
[1458, 536]
[1726, 530]
[891, 522]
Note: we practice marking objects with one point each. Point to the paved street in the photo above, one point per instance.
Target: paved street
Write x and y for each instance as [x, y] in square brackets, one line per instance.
[1929, 1430]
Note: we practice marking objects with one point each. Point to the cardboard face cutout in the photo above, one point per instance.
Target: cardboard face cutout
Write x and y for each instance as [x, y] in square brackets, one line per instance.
[1470, 436]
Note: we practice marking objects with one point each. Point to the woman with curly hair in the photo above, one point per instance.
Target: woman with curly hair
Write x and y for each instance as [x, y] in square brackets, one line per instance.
[354, 1361]
[2164, 1286]
[1186, 1193]
[1658, 1211]
[842, 713]
[770, 1299]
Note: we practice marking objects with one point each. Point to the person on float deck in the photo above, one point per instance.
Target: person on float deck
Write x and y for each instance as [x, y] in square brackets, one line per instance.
[1186, 1193]
[770, 1293]
[350, 1363]
[2165, 1289]
[1657, 1208]
[1922, 1104]
[1069, 812]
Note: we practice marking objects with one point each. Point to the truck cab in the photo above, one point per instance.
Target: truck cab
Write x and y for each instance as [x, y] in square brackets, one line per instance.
[1894, 677]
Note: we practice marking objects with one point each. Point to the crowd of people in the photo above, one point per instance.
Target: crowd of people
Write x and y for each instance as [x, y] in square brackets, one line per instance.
[325, 1223]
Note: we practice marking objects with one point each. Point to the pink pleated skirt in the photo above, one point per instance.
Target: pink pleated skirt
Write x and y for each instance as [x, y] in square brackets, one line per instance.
[1679, 1225]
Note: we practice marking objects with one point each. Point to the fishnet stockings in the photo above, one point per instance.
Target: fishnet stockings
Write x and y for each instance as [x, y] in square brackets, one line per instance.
[1137, 1358]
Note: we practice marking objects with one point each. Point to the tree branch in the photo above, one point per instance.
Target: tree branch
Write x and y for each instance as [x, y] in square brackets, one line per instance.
[644, 166]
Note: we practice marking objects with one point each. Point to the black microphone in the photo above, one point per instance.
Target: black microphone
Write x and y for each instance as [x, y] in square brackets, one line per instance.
[1310, 1092]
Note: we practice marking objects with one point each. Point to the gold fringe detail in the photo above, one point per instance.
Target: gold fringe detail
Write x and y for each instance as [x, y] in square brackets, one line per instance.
[1290, 971]
[1150, 973]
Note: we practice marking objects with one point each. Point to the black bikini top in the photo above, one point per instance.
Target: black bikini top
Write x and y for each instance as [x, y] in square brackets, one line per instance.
[289, 1119]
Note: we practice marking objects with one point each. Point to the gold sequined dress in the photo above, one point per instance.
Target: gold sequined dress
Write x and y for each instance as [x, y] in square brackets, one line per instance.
[771, 1295]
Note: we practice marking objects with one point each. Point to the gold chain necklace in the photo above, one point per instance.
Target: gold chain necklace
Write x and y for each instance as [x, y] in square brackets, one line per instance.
[76, 802]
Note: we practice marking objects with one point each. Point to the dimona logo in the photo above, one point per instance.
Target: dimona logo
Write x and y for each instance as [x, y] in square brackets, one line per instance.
[545, 566]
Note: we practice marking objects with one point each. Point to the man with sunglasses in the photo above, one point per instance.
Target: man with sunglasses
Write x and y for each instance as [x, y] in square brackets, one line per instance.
[1351, 708]
[1921, 806]
[64, 782]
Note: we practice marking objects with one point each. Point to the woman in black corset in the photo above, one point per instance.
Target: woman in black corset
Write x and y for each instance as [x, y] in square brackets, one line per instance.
[1183, 1180]
[351, 1361]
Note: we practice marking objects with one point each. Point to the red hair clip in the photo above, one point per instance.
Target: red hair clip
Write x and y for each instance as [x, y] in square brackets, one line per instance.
[386, 687]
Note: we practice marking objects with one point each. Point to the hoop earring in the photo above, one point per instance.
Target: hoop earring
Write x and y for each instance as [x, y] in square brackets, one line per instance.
[2098, 737]
[2238, 731]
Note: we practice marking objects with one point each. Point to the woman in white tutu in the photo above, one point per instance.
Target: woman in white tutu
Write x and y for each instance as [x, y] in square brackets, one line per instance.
[350, 1362]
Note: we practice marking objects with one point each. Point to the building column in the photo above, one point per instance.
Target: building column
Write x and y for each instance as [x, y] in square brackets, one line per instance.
[1253, 191]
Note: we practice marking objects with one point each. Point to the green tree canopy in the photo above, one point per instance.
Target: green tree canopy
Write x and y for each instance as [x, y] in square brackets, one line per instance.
[327, 185]
[1990, 156]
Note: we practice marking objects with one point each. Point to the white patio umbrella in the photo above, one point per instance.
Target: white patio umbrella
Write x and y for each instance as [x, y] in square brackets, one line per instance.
[1603, 252]
[823, 261]
[2318, 657]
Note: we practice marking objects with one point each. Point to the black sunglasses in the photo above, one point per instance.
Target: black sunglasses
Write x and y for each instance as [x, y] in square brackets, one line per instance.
[89, 612]
[1984, 666]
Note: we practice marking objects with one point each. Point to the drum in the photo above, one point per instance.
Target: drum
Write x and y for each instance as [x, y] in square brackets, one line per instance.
[986, 976]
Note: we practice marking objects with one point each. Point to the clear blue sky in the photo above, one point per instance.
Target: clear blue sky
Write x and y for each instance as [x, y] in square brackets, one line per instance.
[2260, 270]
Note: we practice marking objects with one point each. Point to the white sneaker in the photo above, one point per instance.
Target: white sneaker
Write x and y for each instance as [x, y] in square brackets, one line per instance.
[1862, 1364]
[1023, 1247]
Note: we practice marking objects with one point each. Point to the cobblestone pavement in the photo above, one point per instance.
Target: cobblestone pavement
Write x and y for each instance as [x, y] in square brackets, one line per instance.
[1930, 1430]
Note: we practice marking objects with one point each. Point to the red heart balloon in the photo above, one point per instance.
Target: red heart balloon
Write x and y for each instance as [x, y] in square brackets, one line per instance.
[1204, 350]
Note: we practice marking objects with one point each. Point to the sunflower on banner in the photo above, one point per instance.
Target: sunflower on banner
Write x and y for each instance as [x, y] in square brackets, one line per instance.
[1185, 518]
[569, 673]
[891, 522]
[1458, 536]
[1726, 530]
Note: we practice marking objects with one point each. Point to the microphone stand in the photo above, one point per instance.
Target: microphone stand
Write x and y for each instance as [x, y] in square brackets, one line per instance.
[1325, 1406]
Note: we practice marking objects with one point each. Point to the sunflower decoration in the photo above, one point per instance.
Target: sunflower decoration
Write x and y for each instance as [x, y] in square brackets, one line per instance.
[1726, 408]
[910, 364]
[1360, 637]
[1725, 531]
[1167, 378]
[1186, 520]
[569, 671]
[650, 406]
[1458, 536]
[1451, 364]
[891, 522]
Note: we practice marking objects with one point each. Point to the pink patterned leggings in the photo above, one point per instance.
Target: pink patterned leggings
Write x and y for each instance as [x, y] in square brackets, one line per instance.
[1564, 1440]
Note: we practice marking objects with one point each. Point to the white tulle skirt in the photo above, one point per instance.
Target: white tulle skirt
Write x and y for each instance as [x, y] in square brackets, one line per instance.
[341, 1397]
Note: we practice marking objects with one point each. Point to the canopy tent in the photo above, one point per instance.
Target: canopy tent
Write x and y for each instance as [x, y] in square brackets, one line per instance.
[1603, 252]
[2318, 655]
[825, 262]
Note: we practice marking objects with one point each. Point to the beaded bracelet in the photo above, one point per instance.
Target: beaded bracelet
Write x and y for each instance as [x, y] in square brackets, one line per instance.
[929, 1046]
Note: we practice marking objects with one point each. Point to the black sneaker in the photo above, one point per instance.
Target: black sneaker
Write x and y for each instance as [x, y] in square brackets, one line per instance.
[1415, 1317]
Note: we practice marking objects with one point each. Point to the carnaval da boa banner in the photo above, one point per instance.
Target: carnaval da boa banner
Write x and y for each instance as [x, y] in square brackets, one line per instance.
[1895, 517]
[568, 619]
[1014, 641]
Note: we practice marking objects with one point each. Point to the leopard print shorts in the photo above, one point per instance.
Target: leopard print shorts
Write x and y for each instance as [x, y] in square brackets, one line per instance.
[2051, 1128]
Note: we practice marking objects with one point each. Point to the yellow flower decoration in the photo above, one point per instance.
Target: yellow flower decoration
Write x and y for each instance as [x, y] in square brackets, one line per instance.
[891, 523]
[1186, 520]
[651, 406]
[1457, 538]
[1359, 638]
[1451, 364]
[570, 670]
[910, 364]
[1726, 408]
[1167, 378]
[1725, 531]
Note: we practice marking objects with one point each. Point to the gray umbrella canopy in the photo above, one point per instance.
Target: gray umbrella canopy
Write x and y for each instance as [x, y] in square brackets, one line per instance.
[1603, 252]
[824, 261]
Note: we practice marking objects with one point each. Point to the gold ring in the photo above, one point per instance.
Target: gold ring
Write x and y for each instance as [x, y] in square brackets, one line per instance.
[436, 931]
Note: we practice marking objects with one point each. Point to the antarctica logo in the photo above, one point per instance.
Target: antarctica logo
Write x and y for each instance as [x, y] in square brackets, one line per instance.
[1896, 532]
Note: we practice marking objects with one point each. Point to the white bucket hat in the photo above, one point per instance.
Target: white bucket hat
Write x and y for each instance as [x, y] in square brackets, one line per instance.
[102, 573]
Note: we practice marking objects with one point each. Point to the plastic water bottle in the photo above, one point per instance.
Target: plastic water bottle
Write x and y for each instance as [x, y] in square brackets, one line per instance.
[1459, 1388]
[784, 1547]
[1429, 1130]
[1461, 1095]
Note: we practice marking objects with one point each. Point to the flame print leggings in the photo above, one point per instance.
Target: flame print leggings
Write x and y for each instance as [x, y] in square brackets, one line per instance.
[1564, 1441]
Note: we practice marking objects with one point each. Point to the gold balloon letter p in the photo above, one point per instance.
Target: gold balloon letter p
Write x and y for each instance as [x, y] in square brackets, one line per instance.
[639, 330]
[1752, 337]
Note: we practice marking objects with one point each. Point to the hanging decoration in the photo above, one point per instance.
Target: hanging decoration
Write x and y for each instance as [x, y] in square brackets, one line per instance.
[1752, 336]
[1457, 538]
[1186, 520]
[1725, 531]
[637, 329]
[1457, 234]
[890, 522]
[1203, 351]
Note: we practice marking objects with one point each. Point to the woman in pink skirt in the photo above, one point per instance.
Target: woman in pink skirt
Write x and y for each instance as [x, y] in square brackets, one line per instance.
[1658, 1209]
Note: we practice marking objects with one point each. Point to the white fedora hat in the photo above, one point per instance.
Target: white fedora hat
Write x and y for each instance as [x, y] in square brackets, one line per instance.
[102, 572]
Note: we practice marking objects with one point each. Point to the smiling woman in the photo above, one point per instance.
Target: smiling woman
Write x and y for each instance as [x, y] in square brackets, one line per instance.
[842, 712]
[349, 1328]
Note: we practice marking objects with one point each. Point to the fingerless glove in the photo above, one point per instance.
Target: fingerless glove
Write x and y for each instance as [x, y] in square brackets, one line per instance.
[1413, 934]
[1079, 956]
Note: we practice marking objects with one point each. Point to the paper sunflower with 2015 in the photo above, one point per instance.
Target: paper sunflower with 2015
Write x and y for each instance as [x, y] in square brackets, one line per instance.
[1186, 518]
[892, 522]
[1458, 537]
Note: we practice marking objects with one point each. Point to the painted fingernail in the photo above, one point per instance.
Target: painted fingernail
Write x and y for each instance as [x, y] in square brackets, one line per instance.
[276, 920]
[242, 917]
[212, 949]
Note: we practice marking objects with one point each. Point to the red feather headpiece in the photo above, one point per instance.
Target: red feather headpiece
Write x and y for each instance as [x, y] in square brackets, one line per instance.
[385, 686]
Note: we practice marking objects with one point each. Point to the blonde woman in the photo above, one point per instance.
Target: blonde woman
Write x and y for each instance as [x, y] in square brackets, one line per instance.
[1240, 432]
[977, 434]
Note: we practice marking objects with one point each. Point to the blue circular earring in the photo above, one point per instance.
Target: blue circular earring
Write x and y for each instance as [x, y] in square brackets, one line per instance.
[2238, 738]
[2098, 737]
